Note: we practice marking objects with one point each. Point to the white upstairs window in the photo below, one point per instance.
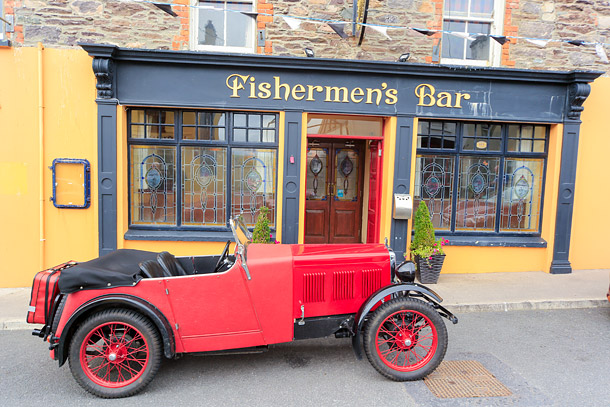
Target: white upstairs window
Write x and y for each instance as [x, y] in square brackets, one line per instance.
[220, 26]
[465, 19]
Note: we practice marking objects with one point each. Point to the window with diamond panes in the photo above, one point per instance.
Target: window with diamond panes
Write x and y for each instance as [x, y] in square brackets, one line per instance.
[479, 177]
[192, 169]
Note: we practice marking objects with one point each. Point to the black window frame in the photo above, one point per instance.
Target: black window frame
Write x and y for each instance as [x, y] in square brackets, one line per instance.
[191, 232]
[457, 151]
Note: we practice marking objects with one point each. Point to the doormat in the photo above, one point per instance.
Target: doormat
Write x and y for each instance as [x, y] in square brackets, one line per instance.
[464, 378]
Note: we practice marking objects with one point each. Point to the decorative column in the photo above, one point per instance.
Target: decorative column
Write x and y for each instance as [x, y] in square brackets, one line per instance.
[292, 177]
[103, 68]
[402, 181]
[577, 93]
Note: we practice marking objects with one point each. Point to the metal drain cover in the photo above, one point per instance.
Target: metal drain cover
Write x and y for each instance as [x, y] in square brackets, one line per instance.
[464, 378]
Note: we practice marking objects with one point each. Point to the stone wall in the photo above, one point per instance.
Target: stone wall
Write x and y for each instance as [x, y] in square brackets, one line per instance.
[327, 44]
[587, 20]
[64, 23]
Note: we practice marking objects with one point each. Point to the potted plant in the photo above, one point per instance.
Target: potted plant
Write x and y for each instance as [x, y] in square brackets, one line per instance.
[426, 250]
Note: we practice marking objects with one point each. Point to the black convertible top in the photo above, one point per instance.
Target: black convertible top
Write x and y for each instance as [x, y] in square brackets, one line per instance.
[117, 269]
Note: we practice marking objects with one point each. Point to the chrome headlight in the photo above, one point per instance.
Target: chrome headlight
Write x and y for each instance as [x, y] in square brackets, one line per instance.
[406, 271]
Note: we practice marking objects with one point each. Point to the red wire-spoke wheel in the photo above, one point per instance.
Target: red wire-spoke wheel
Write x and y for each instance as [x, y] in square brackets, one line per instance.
[115, 353]
[405, 339]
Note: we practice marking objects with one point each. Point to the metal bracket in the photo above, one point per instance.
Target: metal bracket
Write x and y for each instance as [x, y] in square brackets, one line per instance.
[302, 320]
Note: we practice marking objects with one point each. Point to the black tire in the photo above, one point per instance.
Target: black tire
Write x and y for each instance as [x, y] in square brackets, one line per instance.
[115, 353]
[405, 339]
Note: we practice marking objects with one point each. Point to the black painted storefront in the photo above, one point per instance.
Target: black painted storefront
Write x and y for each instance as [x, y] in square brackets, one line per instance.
[297, 85]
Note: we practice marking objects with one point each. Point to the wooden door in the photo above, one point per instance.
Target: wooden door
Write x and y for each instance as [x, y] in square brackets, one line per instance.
[333, 206]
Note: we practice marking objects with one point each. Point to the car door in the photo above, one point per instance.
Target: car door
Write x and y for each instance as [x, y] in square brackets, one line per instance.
[214, 311]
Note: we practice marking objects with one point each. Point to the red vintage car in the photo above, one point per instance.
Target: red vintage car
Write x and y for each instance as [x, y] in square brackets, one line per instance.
[114, 318]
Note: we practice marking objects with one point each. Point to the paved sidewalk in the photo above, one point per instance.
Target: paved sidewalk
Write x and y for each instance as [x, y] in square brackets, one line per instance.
[461, 293]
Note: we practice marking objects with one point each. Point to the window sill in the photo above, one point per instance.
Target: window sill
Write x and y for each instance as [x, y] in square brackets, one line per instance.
[496, 241]
[178, 235]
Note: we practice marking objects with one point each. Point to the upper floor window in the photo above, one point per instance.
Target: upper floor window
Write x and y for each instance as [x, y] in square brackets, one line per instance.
[220, 26]
[3, 25]
[481, 177]
[465, 19]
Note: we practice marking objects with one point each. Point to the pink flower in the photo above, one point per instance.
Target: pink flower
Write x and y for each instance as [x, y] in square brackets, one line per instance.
[430, 258]
[434, 244]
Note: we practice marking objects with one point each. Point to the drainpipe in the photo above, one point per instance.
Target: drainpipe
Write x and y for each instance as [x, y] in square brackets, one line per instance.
[41, 158]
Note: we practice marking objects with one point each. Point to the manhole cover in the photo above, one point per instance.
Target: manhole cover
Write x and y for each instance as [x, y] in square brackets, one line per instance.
[464, 378]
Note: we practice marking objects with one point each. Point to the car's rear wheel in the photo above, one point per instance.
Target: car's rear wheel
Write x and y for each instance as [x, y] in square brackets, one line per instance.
[405, 339]
[115, 353]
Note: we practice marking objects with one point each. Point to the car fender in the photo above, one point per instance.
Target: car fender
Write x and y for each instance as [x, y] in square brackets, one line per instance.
[395, 289]
[117, 300]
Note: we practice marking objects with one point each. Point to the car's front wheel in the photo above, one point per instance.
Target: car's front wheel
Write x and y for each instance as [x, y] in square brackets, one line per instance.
[405, 339]
[115, 353]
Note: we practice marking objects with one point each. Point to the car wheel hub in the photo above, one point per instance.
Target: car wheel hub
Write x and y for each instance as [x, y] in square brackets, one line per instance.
[405, 340]
[116, 353]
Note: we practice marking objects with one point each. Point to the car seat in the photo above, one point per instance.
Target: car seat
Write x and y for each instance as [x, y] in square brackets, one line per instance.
[152, 269]
[170, 265]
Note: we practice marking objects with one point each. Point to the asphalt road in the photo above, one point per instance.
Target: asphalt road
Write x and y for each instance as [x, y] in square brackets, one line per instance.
[546, 358]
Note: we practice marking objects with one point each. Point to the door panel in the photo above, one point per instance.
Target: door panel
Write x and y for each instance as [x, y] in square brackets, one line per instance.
[316, 222]
[333, 205]
[208, 317]
[317, 199]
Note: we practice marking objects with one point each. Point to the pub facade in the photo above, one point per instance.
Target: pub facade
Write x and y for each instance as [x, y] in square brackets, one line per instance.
[186, 140]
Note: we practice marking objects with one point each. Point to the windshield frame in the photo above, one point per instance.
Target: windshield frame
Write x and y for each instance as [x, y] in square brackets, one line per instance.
[242, 235]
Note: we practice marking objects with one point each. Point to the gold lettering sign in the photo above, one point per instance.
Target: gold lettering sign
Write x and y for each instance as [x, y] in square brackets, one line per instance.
[248, 86]
[427, 96]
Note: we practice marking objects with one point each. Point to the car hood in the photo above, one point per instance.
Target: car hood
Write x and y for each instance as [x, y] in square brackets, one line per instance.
[320, 254]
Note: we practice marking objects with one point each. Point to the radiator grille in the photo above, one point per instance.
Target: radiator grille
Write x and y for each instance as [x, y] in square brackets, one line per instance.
[371, 281]
[313, 287]
[343, 285]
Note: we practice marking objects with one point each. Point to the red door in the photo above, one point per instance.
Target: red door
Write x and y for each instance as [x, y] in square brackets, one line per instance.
[375, 177]
[333, 206]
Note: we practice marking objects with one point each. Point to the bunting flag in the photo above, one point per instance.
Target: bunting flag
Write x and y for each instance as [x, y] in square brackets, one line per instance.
[601, 53]
[578, 43]
[465, 36]
[167, 8]
[538, 43]
[252, 14]
[339, 28]
[292, 22]
[382, 30]
[423, 31]
[500, 39]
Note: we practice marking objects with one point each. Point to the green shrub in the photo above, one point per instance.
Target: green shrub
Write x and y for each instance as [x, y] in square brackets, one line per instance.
[262, 232]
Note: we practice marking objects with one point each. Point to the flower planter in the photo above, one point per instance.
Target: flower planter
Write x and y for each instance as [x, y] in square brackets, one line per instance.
[428, 270]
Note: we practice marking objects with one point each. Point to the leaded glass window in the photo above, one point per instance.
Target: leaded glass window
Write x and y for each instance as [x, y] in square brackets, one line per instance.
[481, 177]
[191, 169]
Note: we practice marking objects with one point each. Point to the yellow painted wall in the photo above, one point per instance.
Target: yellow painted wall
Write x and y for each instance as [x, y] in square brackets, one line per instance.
[591, 223]
[69, 130]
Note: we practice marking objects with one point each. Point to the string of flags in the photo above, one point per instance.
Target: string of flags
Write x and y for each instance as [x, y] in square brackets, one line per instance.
[339, 26]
